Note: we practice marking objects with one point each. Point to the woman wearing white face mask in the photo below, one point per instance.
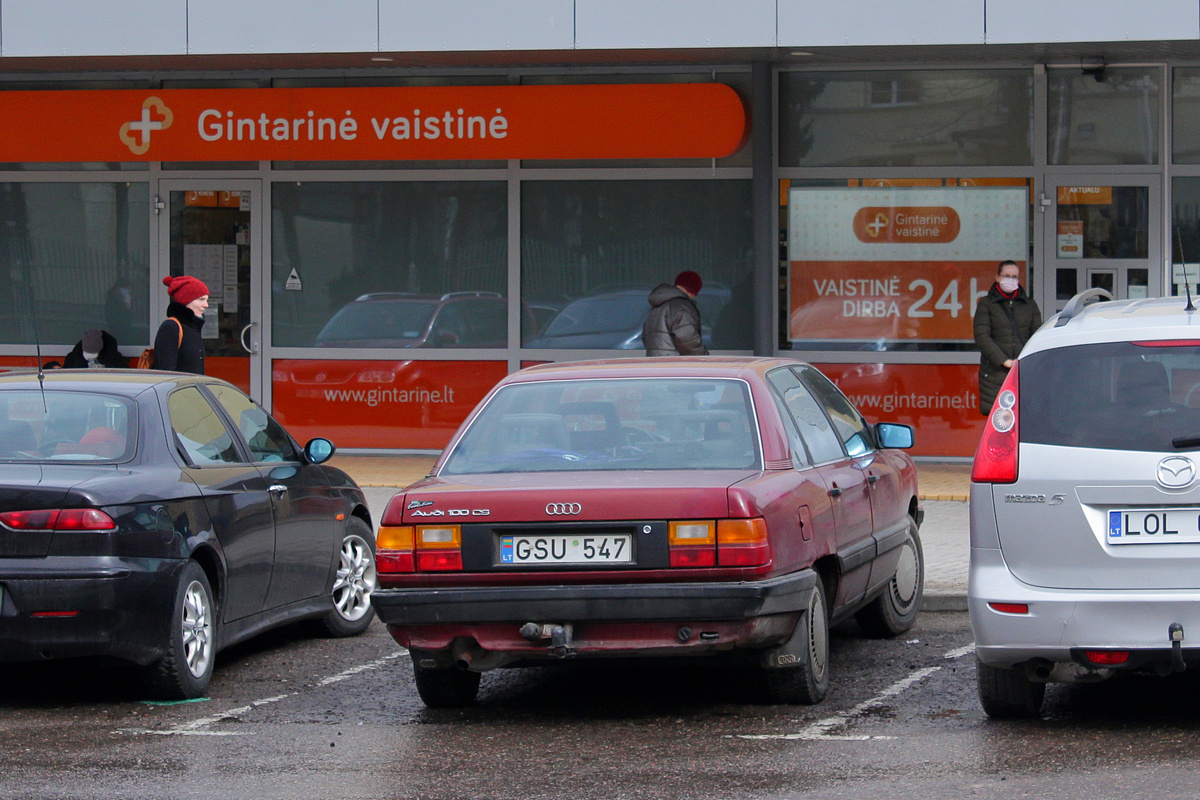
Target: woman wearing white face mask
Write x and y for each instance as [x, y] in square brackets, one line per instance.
[1004, 320]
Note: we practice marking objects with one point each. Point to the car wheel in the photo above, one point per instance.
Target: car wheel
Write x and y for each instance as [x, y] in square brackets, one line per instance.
[184, 670]
[1008, 693]
[895, 611]
[446, 688]
[354, 583]
[808, 681]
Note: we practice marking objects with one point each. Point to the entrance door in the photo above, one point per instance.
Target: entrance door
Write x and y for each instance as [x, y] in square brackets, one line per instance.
[210, 230]
[1101, 231]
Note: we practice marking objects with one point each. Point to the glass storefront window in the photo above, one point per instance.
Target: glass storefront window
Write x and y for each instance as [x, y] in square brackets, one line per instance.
[591, 251]
[421, 264]
[1185, 115]
[898, 118]
[1103, 221]
[1185, 236]
[73, 256]
[1107, 117]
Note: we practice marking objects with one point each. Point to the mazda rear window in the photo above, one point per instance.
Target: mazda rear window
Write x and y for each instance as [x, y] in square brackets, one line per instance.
[631, 423]
[1117, 396]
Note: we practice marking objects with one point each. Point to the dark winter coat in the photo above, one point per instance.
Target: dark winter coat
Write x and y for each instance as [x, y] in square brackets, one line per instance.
[673, 325]
[109, 356]
[169, 353]
[1002, 327]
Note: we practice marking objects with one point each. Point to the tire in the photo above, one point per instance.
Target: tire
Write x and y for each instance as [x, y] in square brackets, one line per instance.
[446, 688]
[1008, 693]
[185, 669]
[895, 611]
[353, 585]
[808, 682]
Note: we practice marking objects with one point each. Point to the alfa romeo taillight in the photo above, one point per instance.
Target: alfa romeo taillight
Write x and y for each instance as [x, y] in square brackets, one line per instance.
[58, 519]
[996, 456]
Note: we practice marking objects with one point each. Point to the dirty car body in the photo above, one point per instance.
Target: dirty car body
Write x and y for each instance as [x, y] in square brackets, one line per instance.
[667, 507]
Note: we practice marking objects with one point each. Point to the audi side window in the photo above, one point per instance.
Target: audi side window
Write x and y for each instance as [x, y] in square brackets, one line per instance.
[822, 443]
[199, 429]
[848, 424]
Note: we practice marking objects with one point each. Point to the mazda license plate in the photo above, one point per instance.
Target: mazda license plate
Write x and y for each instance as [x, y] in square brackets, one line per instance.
[609, 549]
[1153, 525]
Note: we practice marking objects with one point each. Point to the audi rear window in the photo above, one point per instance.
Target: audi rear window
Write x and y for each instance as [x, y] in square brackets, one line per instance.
[613, 424]
[1116, 396]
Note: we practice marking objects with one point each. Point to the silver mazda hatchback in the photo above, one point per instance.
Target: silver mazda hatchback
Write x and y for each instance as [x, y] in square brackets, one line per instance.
[1085, 504]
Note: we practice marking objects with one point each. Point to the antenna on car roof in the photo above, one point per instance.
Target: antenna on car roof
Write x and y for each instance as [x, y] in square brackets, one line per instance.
[1187, 284]
[37, 343]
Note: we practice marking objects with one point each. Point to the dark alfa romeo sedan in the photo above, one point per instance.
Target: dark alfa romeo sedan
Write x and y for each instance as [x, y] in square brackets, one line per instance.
[732, 507]
[157, 517]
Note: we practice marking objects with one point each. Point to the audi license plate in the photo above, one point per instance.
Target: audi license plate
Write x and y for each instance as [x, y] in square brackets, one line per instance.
[1153, 525]
[610, 549]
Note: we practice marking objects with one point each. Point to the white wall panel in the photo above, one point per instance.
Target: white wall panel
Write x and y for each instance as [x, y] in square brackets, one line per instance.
[814, 23]
[1091, 20]
[282, 26]
[604, 24]
[92, 27]
[472, 25]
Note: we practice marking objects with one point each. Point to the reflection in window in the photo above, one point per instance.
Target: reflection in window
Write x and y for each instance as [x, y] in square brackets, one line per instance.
[198, 430]
[912, 118]
[73, 256]
[263, 435]
[1185, 115]
[372, 259]
[1107, 118]
[1103, 221]
[592, 251]
[1185, 236]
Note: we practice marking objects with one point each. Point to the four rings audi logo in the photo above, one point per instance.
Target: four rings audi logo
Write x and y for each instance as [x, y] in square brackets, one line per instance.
[563, 509]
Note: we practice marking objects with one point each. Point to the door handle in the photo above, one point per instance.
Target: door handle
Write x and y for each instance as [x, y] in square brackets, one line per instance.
[871, 479]
[835, 492]
[277, 489]
[242, 338]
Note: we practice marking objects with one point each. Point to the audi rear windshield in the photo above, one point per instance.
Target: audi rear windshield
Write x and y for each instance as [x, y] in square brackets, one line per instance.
[613, 424]
[1116, 396]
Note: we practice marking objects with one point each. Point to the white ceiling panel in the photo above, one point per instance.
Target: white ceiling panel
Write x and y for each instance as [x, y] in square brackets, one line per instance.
[282, 26]
[621, 24]
[93, 27]
[817, 23]
[1011, 21]
[439, 25]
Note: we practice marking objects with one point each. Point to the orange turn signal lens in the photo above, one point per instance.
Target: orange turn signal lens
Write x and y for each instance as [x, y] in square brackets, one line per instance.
[743, 543]
[399, 537]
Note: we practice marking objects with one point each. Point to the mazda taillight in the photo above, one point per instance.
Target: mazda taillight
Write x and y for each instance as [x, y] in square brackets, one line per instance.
[58, 519]
[996, 456]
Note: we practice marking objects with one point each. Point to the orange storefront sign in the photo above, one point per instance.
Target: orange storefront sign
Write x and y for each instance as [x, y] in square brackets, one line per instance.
[414, 405]
[887, 224]
[940, 401]
[704, 120]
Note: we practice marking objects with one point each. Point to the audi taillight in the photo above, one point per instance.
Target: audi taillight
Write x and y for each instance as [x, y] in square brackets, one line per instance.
[439, 548]
[743, 543]
[58, 519]
[693, 543]
[996, 456]
[394, 549]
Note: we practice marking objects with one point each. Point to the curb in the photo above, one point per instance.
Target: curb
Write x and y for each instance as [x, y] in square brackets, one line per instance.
[944, 601]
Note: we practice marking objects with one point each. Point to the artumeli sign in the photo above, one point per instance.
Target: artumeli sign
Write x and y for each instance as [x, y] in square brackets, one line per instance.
[627, 121]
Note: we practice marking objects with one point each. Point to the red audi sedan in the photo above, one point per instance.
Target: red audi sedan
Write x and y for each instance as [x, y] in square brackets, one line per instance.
[731, 508]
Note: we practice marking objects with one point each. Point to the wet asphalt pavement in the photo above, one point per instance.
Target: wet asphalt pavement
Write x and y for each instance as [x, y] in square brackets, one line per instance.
[291, 716]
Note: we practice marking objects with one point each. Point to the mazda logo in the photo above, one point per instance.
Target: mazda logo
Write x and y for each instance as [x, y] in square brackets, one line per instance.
[563, 509]
[1176, 472]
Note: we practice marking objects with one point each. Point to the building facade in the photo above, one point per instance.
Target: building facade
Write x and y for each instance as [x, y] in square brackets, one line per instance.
[397, 202]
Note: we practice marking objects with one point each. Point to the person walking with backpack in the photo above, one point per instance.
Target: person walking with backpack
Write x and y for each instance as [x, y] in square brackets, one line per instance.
[179, 345]
[1005, 318]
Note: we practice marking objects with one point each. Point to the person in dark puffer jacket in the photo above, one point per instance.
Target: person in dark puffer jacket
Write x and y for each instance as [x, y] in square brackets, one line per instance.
[1005, 318]
[673, 325]
[185, 313]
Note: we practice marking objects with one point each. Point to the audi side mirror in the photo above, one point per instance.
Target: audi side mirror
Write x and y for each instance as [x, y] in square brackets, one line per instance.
[892, 435]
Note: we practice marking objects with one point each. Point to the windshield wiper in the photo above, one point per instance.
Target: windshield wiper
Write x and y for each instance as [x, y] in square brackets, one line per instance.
[1180, 442]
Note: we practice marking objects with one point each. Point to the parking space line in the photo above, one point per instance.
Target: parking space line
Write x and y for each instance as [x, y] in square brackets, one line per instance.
[823, 729]
[199, 727]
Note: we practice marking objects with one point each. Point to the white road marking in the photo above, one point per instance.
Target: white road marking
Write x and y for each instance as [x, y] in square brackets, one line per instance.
[823, 729]
[197, 726]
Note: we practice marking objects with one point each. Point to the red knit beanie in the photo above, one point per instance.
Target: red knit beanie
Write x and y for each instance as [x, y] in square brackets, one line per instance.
[183, 289]
[689, 281]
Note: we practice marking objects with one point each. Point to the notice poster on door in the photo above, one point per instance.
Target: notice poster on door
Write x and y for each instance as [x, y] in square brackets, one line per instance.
[1070, 239]
[878, 264]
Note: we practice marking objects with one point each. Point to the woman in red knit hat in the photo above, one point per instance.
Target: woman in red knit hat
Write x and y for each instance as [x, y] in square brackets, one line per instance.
[179, 346]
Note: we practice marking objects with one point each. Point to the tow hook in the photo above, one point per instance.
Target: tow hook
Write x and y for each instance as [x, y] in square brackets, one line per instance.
[561, 644]
[1176, 634]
